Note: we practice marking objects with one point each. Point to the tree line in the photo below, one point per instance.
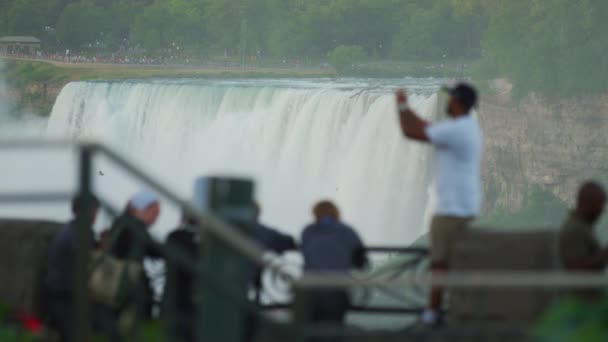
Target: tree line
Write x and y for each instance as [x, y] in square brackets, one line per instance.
[549, 46]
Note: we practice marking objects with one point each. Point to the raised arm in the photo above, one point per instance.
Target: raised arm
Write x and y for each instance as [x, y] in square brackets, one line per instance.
[412, 126]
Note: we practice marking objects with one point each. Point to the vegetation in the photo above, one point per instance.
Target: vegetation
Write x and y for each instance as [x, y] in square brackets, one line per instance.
[573, 320]
[36, 84]
[552, 47]
[344, 58]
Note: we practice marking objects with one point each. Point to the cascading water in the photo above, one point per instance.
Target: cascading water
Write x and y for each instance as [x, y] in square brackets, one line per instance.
[300, 140]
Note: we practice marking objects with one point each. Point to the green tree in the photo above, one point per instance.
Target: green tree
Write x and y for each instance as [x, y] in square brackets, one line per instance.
[344, 58]
[82, 24]
[438, 30]
[29, 17]
[547, 47]
[170, 24]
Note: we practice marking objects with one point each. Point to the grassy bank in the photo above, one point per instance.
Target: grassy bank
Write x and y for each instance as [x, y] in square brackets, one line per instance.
[400, 69]
[34, 85]
[81, 72]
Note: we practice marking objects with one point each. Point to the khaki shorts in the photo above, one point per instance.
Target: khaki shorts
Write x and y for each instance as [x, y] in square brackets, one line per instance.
[444, 230]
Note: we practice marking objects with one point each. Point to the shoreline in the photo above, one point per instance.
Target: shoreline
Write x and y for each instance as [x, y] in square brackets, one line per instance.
[34, 84]
[87, 71]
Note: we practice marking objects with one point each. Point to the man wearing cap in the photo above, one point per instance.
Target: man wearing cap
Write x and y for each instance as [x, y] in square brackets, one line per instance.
[129, 238]
[457, 144]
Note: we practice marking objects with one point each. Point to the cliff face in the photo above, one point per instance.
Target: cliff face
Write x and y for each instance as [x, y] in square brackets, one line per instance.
[36, 97]
[553, 145]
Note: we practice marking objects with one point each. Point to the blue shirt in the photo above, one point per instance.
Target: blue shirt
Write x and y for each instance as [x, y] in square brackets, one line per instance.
[331, 246]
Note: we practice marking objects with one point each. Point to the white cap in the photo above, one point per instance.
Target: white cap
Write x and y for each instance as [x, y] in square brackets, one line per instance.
[142, 200]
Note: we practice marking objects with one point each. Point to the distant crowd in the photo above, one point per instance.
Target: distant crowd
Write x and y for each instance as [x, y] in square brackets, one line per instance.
[133, 58]
[327, 244]
[113, 58]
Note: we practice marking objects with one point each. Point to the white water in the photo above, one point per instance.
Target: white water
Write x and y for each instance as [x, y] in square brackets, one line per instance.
[301, 142]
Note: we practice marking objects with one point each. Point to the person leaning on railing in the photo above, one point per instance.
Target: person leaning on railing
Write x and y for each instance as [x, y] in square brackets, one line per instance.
[60, 274]
[328, 245]
[132, 242]
[179, 296]
[579, 250]
[269, 239]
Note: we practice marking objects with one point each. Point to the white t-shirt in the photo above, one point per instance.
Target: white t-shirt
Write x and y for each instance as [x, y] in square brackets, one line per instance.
[457, 166]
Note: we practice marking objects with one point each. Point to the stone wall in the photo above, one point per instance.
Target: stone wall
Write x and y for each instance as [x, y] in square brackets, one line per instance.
[553, 145]
[23, 256]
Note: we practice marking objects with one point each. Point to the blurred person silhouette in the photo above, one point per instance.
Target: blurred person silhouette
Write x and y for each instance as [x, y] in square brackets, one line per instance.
[458, 147]
[131, 241]
[328, 245]
[579, 250]
[179, 295]
[268, 239]
[60, 274]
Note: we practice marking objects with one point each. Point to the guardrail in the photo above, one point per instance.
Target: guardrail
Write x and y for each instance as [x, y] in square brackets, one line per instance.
[213, 226]
[226, 233]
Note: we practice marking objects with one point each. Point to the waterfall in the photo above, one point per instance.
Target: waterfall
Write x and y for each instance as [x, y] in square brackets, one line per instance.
[301, 141]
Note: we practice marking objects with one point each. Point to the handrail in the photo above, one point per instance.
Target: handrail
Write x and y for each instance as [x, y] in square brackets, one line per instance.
[220, 229]
[248, 248]
[456, 279]
[310, 281]
[213, 225]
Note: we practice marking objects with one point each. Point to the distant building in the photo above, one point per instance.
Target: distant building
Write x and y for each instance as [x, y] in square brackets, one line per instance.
[11, 44]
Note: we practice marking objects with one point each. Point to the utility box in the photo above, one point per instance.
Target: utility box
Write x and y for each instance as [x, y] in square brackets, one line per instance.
[225, 276]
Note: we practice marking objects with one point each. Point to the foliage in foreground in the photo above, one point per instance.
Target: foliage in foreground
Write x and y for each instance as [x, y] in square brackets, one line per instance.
[572, 320]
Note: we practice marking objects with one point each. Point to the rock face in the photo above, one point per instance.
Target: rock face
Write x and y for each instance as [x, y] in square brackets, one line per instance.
[553, 145]
[23, 255]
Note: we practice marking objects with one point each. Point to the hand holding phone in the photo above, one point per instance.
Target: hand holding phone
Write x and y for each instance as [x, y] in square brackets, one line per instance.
[402, 100]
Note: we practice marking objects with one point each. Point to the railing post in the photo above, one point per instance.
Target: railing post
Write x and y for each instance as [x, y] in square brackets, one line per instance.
[84, 243]
[302, 312]
[221, 318]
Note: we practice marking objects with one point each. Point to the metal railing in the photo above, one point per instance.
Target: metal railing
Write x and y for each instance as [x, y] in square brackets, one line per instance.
[249, 249]
[213, 226]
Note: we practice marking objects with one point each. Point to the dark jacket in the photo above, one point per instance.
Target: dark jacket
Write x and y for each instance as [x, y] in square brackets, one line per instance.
[271, 239]
[59, 281]
[129, 239]
[60, 261]
[179, 279]
[332, 246]
[179, 295]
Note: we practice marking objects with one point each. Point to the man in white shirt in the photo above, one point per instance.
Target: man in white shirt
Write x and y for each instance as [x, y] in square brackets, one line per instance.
[458, 149]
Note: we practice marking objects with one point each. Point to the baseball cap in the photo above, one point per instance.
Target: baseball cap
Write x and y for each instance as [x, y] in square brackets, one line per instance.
[143, 200]
[464, 93]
